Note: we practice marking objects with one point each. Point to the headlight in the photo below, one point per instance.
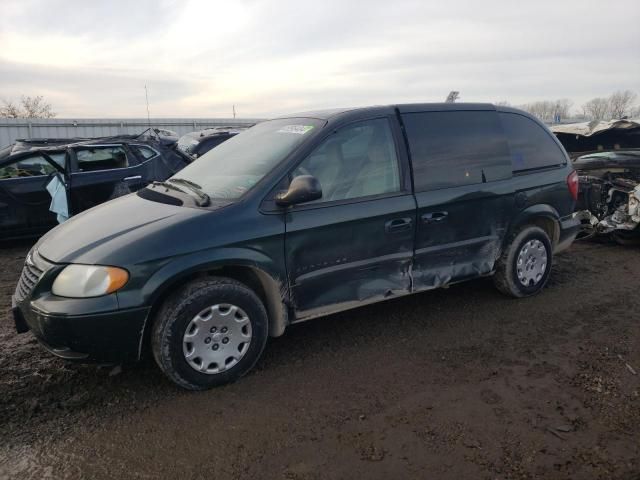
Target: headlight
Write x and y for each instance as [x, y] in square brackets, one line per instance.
[82, 281]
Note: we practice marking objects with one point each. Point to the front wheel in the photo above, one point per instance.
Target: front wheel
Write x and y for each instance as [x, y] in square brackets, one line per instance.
[524, 267]
[209, 333]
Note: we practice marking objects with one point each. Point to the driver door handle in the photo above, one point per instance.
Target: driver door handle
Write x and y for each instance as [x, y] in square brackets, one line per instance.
[398, 225]
[135, 177]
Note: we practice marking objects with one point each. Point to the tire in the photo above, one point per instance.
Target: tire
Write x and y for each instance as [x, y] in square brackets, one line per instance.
[213, 297]
[506, 278]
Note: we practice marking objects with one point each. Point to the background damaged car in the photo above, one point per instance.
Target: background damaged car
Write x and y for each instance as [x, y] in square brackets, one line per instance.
[45, 181]
[607, 158]
[196, 144]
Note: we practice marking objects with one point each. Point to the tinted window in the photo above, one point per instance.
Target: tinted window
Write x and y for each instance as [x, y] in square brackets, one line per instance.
[101, 158]
[531, 145]
[357, 161]
[449, 149]
[33, 166]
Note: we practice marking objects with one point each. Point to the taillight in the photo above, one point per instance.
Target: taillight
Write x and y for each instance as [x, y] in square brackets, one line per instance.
[573, 182]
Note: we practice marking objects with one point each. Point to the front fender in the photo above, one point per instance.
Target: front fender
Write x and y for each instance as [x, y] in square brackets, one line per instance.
[185, 266]
[176, 270]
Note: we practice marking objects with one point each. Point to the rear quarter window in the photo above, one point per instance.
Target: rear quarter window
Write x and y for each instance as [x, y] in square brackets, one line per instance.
[454, 148]
[145, 152]
[532, 147]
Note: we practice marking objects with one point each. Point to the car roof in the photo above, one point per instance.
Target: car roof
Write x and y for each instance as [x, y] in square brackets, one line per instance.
[21, 146]
[332, 113]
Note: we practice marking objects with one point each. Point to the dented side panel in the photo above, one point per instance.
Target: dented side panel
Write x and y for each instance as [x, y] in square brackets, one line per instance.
[344, 254]
[460, 232]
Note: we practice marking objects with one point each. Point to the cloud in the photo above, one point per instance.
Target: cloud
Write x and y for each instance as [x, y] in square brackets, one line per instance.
[199, 57]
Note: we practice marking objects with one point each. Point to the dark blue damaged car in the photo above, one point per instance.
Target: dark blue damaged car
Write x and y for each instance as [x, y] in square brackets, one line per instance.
[297, 218]
[87, 172]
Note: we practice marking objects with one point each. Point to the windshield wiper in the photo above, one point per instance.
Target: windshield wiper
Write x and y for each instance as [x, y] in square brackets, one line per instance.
[166, 185]
[195, 188]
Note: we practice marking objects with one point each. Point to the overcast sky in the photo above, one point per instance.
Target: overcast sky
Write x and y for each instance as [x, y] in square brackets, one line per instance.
[198, 58]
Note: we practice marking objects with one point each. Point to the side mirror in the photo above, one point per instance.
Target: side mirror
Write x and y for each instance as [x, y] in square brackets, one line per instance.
[304, 188]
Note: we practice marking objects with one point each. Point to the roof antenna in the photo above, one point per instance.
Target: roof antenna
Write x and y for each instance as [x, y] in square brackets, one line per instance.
[452, 97]
[146, 94]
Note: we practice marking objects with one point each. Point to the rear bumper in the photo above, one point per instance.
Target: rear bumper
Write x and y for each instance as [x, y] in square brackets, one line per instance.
[569, 229]
[100, 337]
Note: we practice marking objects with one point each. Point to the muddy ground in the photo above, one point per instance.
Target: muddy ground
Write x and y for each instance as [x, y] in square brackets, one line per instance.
[450, 384]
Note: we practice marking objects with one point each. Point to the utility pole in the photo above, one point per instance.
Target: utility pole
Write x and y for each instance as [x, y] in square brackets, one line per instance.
[234, 111]
[146, 95]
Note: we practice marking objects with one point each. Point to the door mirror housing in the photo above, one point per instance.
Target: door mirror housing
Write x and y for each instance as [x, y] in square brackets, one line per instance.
[304, 188]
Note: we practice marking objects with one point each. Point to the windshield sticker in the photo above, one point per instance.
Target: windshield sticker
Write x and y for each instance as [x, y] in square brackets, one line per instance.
[297, 129]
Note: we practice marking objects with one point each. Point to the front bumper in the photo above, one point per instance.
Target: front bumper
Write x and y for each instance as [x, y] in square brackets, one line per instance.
[107, 337]
[569, 229]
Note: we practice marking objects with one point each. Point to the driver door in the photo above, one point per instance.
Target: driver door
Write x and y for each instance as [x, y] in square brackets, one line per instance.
[355, 244]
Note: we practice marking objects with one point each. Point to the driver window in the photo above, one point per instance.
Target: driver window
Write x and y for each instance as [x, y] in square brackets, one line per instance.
[34, 166]
[359, 160]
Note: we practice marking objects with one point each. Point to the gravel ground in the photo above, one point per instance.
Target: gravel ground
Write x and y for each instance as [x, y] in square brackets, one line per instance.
[449, 384]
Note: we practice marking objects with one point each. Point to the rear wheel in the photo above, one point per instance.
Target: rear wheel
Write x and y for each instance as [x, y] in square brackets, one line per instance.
[211, 332]
[524, 267]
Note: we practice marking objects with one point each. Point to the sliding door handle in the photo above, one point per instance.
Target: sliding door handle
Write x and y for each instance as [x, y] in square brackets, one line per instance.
[434, 217]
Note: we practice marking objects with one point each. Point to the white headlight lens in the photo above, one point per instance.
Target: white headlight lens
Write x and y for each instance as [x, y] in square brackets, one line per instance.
[81, 281]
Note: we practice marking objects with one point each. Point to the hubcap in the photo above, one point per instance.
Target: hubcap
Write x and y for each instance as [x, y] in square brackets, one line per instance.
[532, 263]
[217, 338]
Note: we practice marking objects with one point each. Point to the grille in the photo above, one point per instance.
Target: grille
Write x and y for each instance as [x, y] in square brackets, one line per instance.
[28, 279]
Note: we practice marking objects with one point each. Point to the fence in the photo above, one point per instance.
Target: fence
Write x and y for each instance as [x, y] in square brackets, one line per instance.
[14, 128]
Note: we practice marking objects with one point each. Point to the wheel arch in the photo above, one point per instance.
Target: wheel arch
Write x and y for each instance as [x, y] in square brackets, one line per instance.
[265, 282]
[541, 215]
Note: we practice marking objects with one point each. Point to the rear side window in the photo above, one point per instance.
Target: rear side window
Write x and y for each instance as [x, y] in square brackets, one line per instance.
[531, 145]
[145, 152]
[449, 149]
[101, 158]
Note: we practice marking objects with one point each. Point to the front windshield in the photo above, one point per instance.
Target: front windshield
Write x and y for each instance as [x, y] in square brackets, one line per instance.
[235, 166]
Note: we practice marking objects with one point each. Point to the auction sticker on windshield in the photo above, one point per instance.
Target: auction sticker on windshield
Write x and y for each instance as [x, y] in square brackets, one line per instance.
[298, 129]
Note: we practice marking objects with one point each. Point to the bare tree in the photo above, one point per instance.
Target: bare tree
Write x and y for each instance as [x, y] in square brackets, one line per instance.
[544, 110]
[9, 110]
[621, 103]
[596, 108]
[29, 107]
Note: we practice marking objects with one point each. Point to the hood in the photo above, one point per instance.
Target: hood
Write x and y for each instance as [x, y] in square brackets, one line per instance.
[124, 231]
[600, 160]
